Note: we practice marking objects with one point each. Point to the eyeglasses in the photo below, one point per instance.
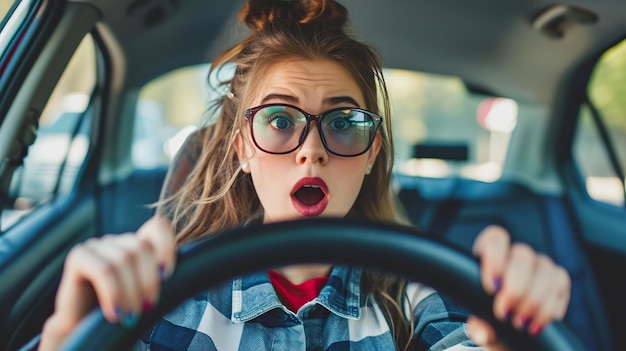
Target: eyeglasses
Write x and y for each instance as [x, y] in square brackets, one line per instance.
[282, 128]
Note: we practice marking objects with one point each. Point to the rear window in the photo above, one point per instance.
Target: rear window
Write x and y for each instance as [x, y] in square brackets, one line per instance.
[441, 128]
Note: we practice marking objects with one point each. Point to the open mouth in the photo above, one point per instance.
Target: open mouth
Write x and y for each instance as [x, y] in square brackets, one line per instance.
[309, 195]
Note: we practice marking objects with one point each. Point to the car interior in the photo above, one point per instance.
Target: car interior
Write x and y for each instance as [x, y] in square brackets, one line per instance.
[506, 113]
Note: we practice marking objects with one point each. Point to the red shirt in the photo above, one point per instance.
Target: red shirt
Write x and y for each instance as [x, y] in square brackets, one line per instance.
[293, 295]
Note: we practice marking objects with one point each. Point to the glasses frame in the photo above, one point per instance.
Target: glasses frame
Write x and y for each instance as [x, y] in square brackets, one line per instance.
[251, 112]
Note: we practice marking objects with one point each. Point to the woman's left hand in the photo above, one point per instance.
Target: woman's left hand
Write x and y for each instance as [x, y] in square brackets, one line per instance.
[529, 289]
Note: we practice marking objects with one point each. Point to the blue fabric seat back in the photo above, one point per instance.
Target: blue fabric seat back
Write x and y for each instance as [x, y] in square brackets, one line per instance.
[459, 209]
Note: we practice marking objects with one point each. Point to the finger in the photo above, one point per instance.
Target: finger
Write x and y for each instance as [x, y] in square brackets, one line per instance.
[480, 331]
[563, 292]
[555, 302]
[122, 252]
[158, 233]
[483, 334]
[75, 296]
[148, 274]
[145, 277]
[87, 279]
[492, 248]
[516, 281]
[534, 302]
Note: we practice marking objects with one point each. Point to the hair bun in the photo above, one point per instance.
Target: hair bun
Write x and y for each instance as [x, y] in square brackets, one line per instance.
[258, 14]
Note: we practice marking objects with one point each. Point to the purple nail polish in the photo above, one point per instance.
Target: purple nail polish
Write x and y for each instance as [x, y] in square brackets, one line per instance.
[497, 284]
[118, 313]
[162, 271]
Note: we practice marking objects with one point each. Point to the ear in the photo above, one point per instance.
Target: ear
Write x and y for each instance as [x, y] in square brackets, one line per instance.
[373, 153]
[241, 149]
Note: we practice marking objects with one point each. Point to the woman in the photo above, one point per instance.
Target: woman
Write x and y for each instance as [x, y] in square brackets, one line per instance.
[300, 134]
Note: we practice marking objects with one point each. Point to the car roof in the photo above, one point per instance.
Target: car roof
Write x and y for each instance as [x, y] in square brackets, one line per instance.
[497, 47]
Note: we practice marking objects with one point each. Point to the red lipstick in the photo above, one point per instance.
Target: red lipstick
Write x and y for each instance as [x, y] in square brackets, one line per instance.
[309, 196]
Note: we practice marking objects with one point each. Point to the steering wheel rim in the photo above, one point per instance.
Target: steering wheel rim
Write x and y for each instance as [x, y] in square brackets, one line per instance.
[393, 248]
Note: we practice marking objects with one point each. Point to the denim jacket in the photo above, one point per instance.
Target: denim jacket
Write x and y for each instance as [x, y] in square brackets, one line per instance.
[246, 314]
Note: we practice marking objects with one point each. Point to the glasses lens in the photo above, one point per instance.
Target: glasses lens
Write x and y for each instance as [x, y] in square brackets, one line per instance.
[348, 132]
[278, 128]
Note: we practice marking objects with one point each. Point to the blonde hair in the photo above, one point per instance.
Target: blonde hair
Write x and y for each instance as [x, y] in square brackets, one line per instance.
[218, 195]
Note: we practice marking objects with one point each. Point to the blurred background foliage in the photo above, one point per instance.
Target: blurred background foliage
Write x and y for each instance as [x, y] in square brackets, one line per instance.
[607, 89]
[4, 7]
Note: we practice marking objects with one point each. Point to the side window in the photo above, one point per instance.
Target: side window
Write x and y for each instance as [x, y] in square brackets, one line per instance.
[600, 140]
[13, 13]
[168, 110]
[57, 155]
[5, 5]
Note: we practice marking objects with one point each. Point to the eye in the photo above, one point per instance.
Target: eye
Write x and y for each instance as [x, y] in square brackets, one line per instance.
[340, 121]
[280, 121]
[340, 124]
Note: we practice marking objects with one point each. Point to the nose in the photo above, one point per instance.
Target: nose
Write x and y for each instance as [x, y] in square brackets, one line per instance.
[312, 149]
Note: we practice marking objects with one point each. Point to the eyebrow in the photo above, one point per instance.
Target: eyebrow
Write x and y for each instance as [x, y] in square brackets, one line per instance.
[337, 100]
[333, 100]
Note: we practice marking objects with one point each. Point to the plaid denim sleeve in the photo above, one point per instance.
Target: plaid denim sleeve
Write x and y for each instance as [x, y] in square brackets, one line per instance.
[440, 325]
[179, 329]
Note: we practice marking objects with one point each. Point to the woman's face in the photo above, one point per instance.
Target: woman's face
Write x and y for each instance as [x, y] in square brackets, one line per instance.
[309, 181]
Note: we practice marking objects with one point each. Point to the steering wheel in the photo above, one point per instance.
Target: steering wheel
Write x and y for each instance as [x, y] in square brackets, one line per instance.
[396, 249]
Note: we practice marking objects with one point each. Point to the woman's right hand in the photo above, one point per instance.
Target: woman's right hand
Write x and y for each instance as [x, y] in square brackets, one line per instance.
[121, 273]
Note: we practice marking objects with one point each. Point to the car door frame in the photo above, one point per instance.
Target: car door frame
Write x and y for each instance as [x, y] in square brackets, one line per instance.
[600, 226]
[32, 251]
